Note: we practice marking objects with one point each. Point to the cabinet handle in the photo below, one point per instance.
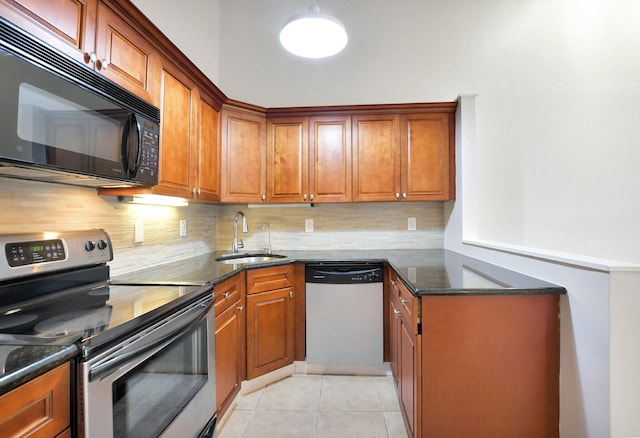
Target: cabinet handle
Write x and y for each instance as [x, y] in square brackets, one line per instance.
[240, 308]
[290, 294]
[397, 195]
[404, 301]
[397, 313]
[225, 295]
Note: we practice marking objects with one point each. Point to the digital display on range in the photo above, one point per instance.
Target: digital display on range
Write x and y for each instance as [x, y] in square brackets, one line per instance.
[29, 253]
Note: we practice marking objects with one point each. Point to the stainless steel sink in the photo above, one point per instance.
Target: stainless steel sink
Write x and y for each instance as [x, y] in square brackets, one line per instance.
[241, 259]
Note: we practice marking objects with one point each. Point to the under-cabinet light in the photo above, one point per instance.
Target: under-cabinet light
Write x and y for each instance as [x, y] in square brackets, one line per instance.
[170, 201]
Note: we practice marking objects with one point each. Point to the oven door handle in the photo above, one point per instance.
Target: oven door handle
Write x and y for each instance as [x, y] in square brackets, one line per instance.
[158, 337]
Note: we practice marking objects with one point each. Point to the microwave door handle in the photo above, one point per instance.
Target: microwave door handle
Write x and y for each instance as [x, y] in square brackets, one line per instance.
[131, 154]
[152, 340]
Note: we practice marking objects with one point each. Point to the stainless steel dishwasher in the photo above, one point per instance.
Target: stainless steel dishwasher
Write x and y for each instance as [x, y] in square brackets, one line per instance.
[344, 318]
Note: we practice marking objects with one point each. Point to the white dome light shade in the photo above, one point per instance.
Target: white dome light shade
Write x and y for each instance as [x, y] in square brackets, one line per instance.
[313, 35]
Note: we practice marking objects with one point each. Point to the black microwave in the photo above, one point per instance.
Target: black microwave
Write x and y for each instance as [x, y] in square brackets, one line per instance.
[62, 122]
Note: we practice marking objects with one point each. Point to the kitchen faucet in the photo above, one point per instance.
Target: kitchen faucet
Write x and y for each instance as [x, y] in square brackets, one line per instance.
[267, 247]
[245, 229]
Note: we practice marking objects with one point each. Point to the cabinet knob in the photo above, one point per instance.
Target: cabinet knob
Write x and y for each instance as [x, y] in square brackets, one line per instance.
[304, 197]
[90, 57]
[193, 191]
[102, 64]
[225, 295]
[290, 294]
[397, 313]
[404, 196]
[311, 197]
[403, 301]
[240, 308]
[397, 195]
[264, 198]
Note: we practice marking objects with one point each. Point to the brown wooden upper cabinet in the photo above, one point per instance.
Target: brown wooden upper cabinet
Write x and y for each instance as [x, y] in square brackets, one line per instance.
[403, 157]
[92, 33]
[309, 159]
[243, 155]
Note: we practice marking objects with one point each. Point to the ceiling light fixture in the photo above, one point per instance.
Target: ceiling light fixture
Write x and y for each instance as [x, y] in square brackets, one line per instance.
[312, 34]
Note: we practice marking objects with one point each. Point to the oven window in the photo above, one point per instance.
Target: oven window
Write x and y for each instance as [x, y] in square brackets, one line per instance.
[149, 397]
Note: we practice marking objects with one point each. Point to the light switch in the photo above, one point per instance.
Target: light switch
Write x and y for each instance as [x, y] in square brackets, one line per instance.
[183, 227]
[411, 224]
[308, 225]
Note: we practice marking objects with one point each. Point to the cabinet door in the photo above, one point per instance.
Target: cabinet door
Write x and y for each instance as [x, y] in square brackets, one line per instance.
[408, 376]
[376, 158]
[40, 407]
[270, 331]
[208, 171]
[131, 61]
[288, 160]
[176, 149]
[229, 335]
[68, 25]
[330, 159]
[426, 157]
[243, 157]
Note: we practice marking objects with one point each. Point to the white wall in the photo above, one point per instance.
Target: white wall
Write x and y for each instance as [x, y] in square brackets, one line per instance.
[193, 26]
[559, 92]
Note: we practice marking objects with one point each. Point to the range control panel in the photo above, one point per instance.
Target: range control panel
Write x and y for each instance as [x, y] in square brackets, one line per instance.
[40, 251]
[35, 253]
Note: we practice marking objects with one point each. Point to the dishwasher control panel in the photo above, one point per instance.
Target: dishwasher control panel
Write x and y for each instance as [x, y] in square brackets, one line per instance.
[344, 273]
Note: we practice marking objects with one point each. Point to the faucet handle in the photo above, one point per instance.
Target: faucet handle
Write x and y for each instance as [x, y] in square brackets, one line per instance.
[240, 244]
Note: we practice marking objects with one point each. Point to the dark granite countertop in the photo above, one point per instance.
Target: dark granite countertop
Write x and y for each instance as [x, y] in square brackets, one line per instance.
[24, 358]
[425, 272]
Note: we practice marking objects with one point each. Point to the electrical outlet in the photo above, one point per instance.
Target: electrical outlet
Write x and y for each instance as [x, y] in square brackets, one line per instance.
[411, 224]
[183, 227]
[308, 225]
[138, 231]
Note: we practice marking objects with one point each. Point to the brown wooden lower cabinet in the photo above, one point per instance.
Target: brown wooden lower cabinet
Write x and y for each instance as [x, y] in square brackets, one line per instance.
[490, 366]
[38, 408]
[270, 319]
[230, 340]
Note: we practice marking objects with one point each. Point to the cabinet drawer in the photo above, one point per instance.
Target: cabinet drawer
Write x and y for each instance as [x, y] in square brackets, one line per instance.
[276, 277]
[404, 301]
[40, 407]
[228, 292]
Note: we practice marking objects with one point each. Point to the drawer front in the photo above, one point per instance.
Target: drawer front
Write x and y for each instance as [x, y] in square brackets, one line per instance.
[404, 301]
[228, 293]
[276, 277]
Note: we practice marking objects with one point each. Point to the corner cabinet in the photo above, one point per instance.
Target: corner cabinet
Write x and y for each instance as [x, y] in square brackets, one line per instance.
[94, 34]
[40, 407]
[243, 155]
[270, 319]
[230, 319]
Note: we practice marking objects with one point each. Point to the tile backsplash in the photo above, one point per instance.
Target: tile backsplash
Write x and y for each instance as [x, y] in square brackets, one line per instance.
[29, 206]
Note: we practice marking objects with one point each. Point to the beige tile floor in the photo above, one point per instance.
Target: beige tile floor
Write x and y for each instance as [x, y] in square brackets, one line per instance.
[318, 406]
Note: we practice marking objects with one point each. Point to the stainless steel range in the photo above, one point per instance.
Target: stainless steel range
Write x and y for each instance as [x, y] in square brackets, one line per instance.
[147, 361]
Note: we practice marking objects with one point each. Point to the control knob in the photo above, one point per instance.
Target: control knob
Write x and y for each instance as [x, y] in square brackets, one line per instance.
[102, 244]
[89, 245]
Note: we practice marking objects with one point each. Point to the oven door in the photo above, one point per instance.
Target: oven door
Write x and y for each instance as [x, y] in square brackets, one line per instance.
[160, 383]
